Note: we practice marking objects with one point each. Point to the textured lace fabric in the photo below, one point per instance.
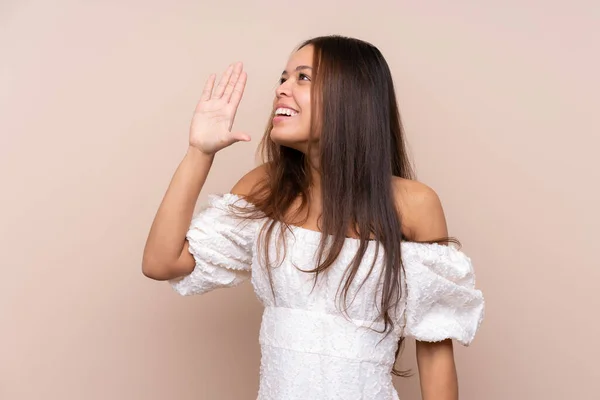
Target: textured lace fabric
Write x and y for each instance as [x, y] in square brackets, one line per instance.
[310, 350]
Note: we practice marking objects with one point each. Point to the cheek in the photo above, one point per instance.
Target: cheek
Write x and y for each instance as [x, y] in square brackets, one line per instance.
[305, 105]
[304, 102]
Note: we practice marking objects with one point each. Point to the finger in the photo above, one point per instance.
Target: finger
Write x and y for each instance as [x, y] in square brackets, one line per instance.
[208, 87]
[221, 86]
[235, 76]
[238, 90]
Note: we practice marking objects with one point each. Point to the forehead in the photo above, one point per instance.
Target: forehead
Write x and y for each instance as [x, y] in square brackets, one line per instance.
[304, 56]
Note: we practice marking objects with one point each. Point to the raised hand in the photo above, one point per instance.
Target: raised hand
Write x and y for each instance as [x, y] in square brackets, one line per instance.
[210, 130]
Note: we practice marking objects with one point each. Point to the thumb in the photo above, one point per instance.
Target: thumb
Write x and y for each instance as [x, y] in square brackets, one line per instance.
[240, 137]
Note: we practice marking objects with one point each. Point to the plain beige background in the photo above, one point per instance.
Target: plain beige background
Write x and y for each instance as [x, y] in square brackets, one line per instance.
[498, 101]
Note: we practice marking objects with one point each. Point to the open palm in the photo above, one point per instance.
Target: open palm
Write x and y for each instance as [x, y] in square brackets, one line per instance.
[214, 115]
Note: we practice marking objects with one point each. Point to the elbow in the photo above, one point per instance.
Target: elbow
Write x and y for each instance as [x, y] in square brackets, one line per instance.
[160, 269]
[152, 272]
[156, 269]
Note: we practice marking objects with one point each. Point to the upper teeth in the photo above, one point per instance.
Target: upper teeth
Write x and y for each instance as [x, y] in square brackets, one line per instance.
[285, 111]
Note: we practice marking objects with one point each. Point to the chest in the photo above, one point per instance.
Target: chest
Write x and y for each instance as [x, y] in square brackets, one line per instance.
[284, 278]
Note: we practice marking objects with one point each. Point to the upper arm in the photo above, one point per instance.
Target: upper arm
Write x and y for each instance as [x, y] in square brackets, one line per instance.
[421, 211]
[424, 220]
[185, 264]
[437, 370]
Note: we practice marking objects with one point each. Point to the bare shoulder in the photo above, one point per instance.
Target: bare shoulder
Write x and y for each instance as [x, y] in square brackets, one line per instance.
[248, 182]
[420, 209]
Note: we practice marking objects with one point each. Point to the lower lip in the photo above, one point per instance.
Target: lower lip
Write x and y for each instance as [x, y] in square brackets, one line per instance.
[280, 118]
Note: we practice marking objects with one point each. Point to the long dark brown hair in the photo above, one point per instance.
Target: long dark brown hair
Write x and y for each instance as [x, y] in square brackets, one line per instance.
[362, 147]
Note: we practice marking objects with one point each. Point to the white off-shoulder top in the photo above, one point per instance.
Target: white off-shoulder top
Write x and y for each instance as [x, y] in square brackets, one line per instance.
[310, 350]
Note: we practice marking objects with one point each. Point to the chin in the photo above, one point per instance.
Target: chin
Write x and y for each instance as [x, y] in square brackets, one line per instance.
[289, 139]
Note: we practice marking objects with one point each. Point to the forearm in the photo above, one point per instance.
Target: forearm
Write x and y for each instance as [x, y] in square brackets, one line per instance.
[166, 239]
[437, 371]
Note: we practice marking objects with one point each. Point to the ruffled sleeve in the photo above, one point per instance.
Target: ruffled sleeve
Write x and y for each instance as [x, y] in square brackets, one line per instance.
[221, 243]
[442, 301]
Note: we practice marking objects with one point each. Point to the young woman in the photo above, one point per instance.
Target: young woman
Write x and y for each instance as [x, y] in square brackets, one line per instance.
[348, 253]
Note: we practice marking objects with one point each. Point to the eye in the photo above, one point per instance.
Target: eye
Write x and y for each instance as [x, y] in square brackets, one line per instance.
[303, 77]
[282, 80]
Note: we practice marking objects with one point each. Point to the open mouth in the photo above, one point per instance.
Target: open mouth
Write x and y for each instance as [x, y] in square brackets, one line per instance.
[285, 112]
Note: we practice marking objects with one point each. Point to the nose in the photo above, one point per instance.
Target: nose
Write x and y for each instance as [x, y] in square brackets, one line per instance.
[284, 89]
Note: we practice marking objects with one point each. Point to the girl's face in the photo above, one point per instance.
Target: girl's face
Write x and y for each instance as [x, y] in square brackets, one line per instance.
[292, 104]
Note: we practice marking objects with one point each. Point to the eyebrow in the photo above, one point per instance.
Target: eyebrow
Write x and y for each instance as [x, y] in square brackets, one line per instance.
[298, 68]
